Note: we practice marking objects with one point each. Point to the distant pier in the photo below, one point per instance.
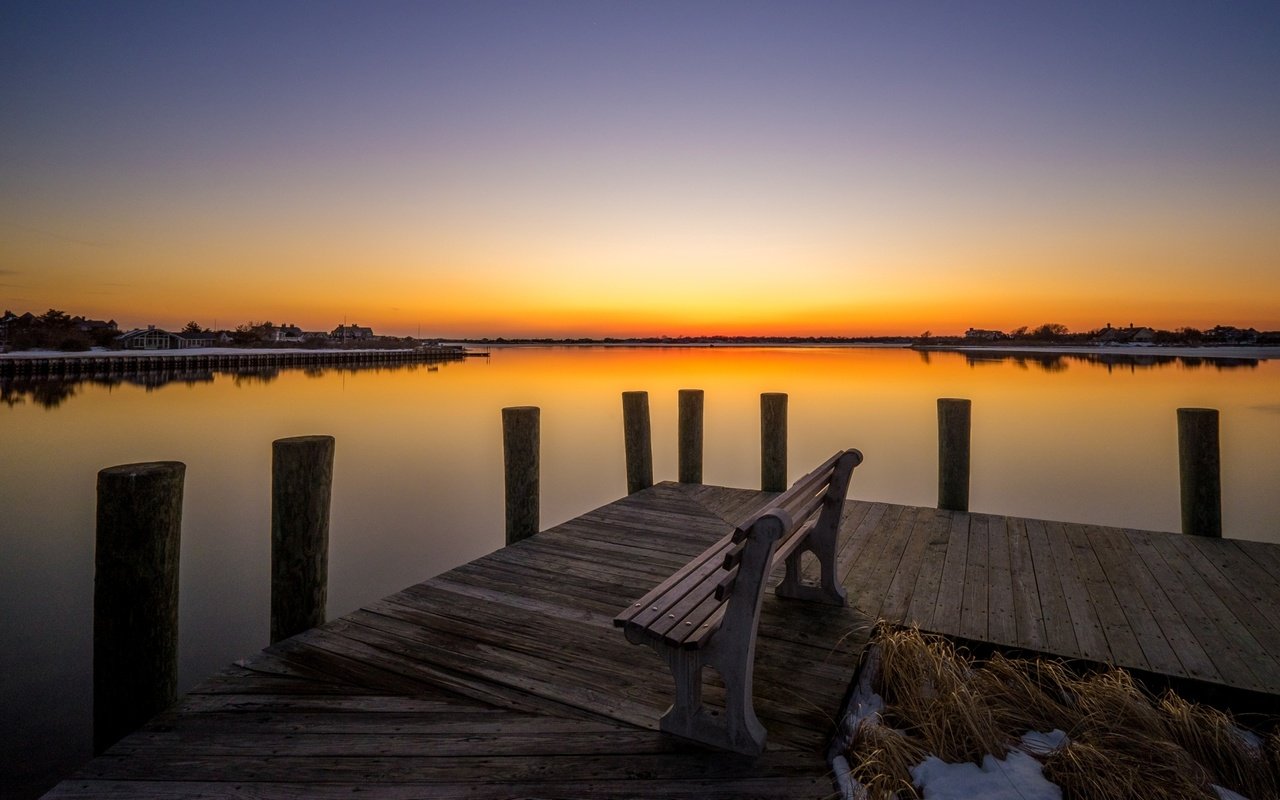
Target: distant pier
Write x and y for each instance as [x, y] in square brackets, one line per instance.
[127, 362]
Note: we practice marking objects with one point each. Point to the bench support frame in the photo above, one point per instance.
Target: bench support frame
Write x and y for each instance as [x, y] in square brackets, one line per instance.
[730, 650]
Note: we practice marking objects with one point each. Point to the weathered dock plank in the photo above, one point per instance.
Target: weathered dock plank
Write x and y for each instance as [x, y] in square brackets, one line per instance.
[1002, 626]
[1055, 616]
[1090, 641]
[973, 614]
[950, 596]
[1109, 548]
[1027, 612]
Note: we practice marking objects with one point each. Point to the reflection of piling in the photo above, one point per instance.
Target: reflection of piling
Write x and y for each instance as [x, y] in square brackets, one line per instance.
[301, 487]
[690, 435]
[135, 596]
[520, 443]
[773, 441]
[1199, 469]
[953, 453]
[638, 440]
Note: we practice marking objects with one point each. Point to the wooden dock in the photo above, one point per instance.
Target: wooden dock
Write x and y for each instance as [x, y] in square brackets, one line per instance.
[130, 362]
[505, 678]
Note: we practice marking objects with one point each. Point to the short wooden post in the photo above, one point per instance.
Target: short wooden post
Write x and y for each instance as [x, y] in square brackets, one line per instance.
[520, 451]
[1199, 467]
[953, 453]
[135, 596]
[690, 424]
[638, 440]
[301, 489]
[773, 441]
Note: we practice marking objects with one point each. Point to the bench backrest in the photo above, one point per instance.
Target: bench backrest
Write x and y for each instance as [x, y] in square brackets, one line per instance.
[810, 508]
[687, 608]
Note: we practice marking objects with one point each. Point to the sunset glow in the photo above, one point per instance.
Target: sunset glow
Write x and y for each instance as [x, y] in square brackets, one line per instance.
[599, 169]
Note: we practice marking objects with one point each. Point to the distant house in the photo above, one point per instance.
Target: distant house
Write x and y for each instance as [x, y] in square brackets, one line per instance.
[310, 336]
[94, 325]
[1129, 335]
[153, 338]
[351, 332]
[197, 339]
[1227, 334]
[978, 333]
[150, 338]
[286, 333]
[11, 320]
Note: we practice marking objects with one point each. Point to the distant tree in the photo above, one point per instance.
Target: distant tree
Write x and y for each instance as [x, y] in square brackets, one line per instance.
[1019, 333]
[925, 336]
[192, 327]
[54, 318]
[1191, 335]
[1050, 330]
[244, 335]
[73, 342]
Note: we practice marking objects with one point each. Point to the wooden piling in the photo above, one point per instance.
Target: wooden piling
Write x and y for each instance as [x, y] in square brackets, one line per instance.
[773, 441]
[638, 440]
[301, 489]
[690, 435]
[1199, 469]
[135, 596]
[953, 453]
[520, 444]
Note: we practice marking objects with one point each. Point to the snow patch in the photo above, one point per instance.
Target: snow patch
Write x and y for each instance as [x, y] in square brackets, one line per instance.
[1016, 777]
[1042, 744]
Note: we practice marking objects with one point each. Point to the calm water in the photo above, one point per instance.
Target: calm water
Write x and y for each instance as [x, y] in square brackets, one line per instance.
[419, 466]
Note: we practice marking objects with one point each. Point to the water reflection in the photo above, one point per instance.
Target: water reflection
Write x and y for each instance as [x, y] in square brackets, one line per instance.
[52, 391]
[1059, 362]
[418, 470]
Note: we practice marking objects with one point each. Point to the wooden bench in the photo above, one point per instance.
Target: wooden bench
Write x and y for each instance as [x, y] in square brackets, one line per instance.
[706, 614]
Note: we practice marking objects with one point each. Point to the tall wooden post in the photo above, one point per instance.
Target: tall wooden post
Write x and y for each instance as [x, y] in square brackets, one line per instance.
[690, 424]
[1199, 468]
[520, 451]
[953, 453]
[638, 440]
[135, 596]
[301, 490]
[773, 441]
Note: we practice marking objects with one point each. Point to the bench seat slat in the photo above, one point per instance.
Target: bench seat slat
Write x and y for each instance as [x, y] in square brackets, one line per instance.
[699, 619]
[696, 637]
[686, 609]
[666, 594]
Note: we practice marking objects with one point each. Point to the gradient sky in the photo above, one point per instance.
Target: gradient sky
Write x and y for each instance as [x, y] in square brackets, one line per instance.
[618, 169]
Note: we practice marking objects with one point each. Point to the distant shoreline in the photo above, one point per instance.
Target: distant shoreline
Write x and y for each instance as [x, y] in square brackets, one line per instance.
[1259, 352]
[681, 345]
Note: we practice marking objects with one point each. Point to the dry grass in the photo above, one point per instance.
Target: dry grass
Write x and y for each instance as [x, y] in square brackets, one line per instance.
[1213, 739]
[1027, 695]
[930, 694]
[882, 758]
[1122, 741]
[1119, 767]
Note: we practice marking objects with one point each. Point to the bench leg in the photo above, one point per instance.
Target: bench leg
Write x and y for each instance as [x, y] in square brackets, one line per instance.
[828, 590]
[737, 729]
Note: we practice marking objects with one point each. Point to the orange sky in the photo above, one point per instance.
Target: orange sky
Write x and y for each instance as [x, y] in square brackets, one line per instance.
[588, 170]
